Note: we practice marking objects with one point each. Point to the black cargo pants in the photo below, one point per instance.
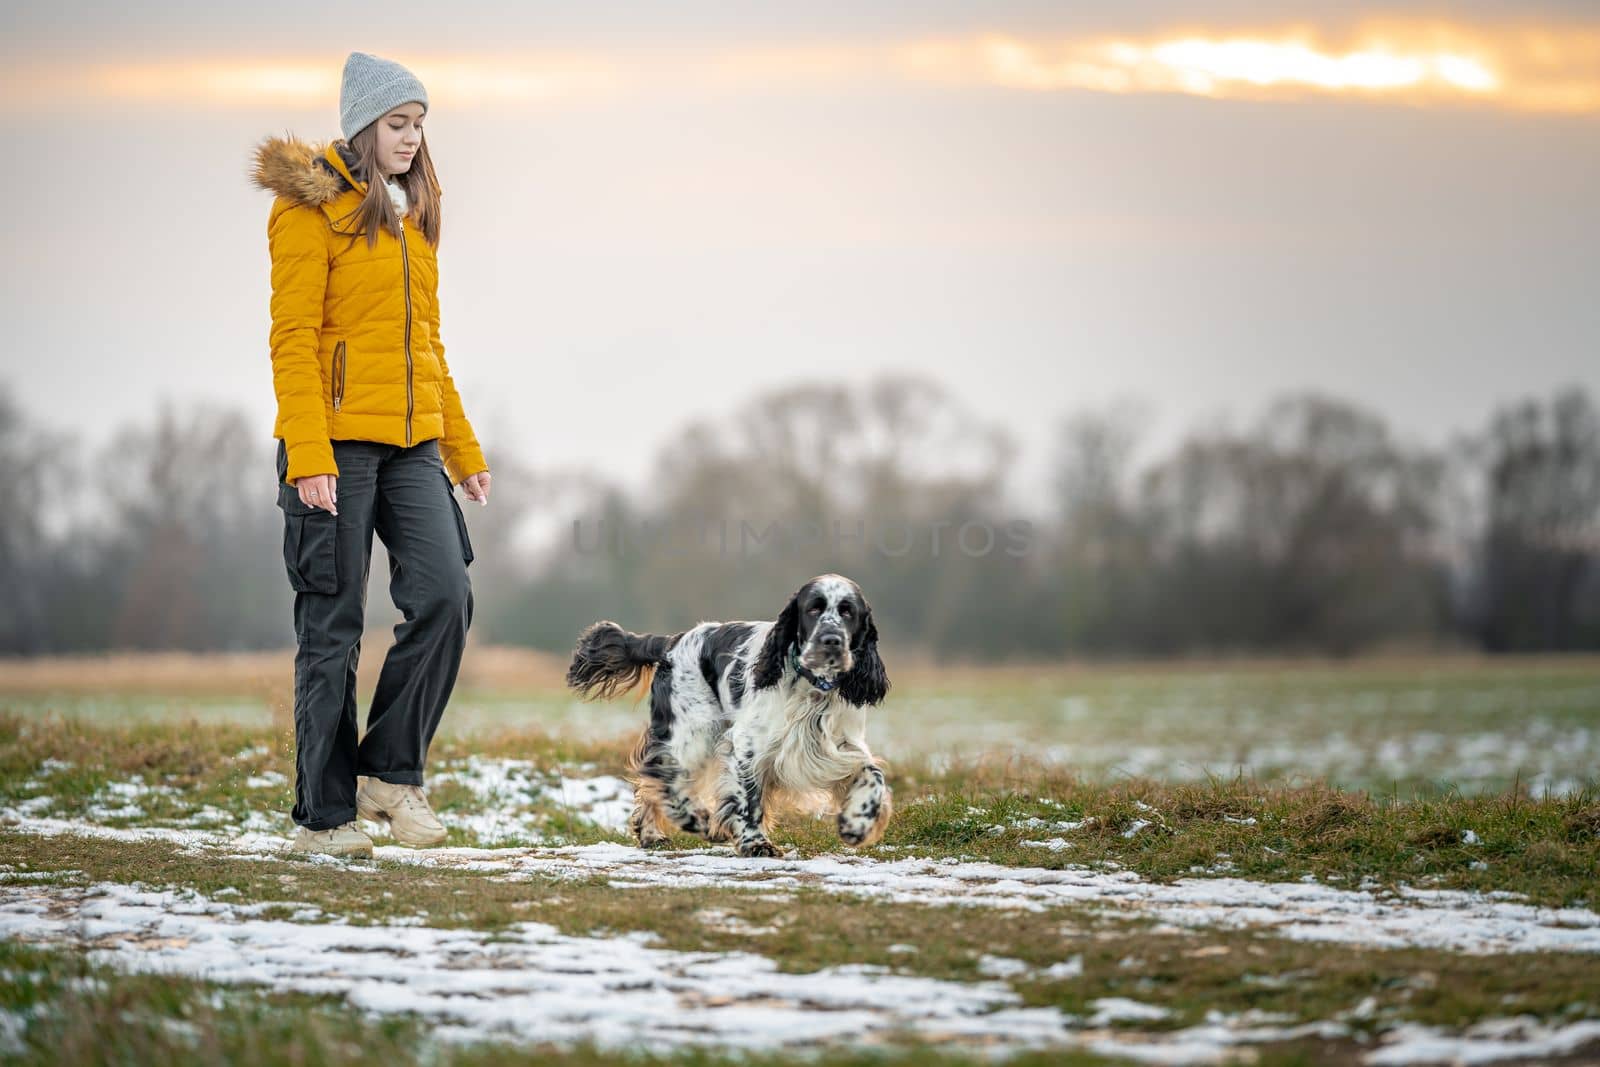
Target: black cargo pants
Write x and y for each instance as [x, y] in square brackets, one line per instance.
[405, 495]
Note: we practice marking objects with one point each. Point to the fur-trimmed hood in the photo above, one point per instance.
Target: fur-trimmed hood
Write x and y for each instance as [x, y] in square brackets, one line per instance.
[314, 174]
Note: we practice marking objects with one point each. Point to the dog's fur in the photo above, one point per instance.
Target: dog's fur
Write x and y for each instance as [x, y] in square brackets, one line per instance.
[735, 729]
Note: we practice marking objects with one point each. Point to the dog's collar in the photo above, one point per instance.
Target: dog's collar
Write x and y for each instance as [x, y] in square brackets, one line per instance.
[794, 660]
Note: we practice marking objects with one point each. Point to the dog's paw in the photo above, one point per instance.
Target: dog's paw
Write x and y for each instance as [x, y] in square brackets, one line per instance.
[860, 833]
[654, 841]
[758, 847]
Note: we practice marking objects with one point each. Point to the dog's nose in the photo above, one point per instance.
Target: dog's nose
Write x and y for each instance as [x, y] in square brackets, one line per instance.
[832, 642]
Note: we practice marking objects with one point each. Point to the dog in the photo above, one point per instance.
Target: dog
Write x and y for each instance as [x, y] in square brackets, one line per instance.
[745, 716]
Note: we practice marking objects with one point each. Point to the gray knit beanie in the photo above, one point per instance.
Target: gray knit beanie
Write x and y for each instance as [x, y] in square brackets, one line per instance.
[371, 87]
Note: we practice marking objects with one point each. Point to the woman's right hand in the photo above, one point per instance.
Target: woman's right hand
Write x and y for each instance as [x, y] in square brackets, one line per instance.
[319, 491]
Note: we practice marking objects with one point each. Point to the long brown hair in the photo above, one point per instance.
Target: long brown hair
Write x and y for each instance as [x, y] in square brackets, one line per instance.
[376, 208]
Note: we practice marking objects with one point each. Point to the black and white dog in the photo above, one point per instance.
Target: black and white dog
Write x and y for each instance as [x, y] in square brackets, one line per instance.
[746, 715]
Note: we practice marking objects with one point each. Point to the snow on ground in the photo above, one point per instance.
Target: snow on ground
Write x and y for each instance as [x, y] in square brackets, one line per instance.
[1450, 920]
[540, 984]
[532, 983]
[1547, 758]
[1493, 1039]
[506, 788]
[1442, 919]
[514, 799]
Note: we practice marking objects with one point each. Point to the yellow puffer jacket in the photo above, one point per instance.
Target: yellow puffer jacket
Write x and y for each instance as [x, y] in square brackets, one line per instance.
[355, 330]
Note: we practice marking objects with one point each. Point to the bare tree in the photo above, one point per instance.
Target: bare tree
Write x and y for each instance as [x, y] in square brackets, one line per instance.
[36, 468]
[1539, 583]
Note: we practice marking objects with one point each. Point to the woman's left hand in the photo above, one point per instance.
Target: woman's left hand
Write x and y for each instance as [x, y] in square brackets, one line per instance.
[477, 487]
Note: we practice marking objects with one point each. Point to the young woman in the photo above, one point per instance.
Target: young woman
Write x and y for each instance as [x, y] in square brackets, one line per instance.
[371, 438]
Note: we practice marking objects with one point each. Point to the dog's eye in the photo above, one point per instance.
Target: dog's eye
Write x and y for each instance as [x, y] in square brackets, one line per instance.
[815, 609]
[844, 609]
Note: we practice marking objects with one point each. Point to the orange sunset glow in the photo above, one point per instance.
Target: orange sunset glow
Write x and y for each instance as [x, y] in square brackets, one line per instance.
[1522, 69]
[1529, 69]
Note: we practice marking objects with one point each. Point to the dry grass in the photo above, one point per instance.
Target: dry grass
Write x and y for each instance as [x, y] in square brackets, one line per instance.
[807, 928]
[504, 669]
[1543, 847]
[265, 674]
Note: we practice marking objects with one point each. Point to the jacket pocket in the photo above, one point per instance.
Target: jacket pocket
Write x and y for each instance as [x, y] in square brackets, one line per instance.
[339, 359]
[461, 520]
[310, 544]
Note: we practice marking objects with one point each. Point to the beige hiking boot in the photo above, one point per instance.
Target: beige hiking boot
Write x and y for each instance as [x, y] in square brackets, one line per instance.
[345, 840]
[404, 807]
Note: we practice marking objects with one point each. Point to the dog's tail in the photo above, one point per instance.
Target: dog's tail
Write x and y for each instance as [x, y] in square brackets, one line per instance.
[612, 662]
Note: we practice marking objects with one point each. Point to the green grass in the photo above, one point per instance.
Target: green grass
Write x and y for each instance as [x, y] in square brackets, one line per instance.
[1407, 724]
[1189, 972]
[1545, 848]
[73, 1014]
[1377, 775]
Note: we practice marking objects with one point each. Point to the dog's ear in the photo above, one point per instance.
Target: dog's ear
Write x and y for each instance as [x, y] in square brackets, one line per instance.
[866, 682]
[768, 667]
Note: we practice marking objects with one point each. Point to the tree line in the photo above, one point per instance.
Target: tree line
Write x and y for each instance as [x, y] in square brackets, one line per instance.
[1314, 529]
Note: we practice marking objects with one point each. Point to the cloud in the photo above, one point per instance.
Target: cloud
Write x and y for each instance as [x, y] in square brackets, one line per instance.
[1522, 68]
[1529, 67]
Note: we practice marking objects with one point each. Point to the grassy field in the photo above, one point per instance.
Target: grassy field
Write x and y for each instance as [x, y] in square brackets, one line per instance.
[1377, 862]
[1401, 724]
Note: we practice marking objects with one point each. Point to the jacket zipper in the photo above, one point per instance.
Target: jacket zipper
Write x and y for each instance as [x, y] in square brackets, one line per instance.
[405, 262]
[338, 374]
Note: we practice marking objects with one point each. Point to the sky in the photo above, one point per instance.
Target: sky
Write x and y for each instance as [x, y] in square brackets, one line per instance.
[655, 212]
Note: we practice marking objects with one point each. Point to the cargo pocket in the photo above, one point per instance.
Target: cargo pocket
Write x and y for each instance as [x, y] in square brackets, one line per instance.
[310, 544]
[461, 520]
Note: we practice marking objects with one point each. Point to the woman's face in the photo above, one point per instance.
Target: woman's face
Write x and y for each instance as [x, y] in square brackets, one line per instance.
[399, 134]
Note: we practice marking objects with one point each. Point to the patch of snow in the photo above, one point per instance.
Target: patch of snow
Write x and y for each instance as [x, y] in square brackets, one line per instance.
[1488, 1041]
[604, 800]
[1121, 1009]
[103, 803]
[1211, 1042]
[135, 787]
[266, 780]
[505, 788]
[1054, 844]
[122, 811]
[9, 875]
[530, 983]
[1451, 920]
[262, 822]
[1072, 968]
[730, 923]
[526, 983]
[1033, 822]
[1001, 966]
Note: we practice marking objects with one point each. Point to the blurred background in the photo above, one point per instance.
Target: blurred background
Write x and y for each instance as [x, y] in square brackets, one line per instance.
[1237, 329]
